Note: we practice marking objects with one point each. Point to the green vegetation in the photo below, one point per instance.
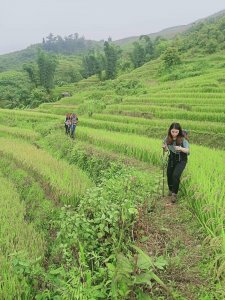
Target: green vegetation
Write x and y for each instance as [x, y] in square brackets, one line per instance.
[80, 228]
[84, 219]
[14, 88]
[19, 242]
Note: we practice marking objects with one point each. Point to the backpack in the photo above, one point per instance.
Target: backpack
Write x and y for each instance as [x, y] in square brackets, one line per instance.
[185, 134]
[74, 119]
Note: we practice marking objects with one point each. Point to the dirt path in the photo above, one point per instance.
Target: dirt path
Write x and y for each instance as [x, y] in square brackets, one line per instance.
[174, 233]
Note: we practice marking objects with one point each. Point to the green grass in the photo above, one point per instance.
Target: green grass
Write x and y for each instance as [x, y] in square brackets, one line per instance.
[67, 181]
[20, 242]
[129, 117]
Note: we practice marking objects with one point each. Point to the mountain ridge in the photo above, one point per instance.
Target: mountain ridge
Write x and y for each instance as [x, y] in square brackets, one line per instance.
[170, 32]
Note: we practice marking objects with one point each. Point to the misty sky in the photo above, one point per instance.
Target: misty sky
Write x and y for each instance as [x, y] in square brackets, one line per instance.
[26, 22]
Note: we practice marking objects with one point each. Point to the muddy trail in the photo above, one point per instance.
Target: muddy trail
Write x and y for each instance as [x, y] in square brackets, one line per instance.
[172, 231]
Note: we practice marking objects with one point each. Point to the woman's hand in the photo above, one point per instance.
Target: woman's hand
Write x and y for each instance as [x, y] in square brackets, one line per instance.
[165, 148]
[178, 148]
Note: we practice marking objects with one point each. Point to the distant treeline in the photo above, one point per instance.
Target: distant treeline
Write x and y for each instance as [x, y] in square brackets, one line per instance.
[61, 61]
[204, 37]
[71, 44]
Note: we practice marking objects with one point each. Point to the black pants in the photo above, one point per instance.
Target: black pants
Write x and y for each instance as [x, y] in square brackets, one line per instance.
[174, 172]
[67, 127]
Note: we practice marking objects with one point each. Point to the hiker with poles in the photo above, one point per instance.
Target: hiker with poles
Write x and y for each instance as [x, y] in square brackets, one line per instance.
[177, 145]
[74, 121]
[67, 123]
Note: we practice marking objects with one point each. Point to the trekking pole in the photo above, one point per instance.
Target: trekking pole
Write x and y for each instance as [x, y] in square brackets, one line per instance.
[163, 163]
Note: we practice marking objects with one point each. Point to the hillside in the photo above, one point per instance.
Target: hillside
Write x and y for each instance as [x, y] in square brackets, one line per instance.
[167, 33]
[171, 32]
[89, 217]
[94, 205]
[15, 60]
[147, 93]
[201, 39]
[130, 116]
[67, 47]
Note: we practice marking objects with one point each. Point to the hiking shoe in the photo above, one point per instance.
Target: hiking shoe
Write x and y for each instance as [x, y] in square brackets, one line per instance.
[174, 198]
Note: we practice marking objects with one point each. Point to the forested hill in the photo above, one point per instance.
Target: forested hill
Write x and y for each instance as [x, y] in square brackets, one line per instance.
[28, 79]
[75, 45]
[69, 45]
[83, 213]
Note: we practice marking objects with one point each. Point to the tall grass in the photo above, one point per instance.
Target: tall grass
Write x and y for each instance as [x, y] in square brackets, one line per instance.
[206, 171]
[19, 132]
[19, 241]
[67, 181]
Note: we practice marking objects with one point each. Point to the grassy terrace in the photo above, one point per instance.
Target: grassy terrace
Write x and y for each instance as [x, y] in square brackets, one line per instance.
[197, 102]
[121, 122]
[19, 242]
[67, 181]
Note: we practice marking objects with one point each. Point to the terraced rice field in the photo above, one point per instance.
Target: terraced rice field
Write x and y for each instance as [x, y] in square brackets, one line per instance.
[137, 124]
[73, 221]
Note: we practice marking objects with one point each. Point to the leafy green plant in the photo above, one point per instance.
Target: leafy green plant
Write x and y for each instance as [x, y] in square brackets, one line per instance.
[132, 273]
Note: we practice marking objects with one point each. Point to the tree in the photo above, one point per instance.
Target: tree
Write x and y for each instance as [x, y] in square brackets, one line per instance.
[160, 45]
[89, 63]
[38, 96]
[46, 66]
[171, 57]
[93, 63]
[138, 55]
[112, 54]
[70, 44]
[211, 46]
[142, 52]
[148, 47]
[32, 72]
[99, 64]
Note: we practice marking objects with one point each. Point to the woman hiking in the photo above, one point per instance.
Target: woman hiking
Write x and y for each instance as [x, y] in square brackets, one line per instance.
[178, 147]
[67, 123]
[74, 122]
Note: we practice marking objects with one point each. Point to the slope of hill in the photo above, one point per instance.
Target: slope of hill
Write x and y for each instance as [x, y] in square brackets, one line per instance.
[88, 211]
[143, 103]
[94, 205]
[15, 60]
[167, 33]
[171, 32]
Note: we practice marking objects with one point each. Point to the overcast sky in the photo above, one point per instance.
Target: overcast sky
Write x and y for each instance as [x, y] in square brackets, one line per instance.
[26, 22]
